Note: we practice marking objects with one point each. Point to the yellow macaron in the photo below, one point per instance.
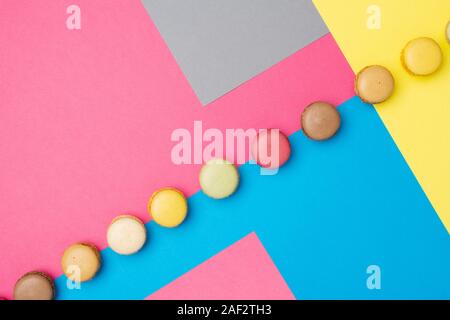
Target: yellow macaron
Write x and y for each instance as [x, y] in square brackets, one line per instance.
[422, 56]
[168, 207]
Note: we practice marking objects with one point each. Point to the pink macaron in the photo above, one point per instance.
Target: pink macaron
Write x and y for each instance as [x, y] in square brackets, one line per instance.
[271, 148]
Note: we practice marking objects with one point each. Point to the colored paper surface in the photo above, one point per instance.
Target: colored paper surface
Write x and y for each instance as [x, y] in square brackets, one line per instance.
[418, 112]
[221, 44]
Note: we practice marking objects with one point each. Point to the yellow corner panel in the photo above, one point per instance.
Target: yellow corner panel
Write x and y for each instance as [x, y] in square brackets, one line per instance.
[418, 114]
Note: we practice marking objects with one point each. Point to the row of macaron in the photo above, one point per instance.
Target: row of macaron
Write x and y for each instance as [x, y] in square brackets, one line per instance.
[168, 207]
[420, 57]
[219, 178]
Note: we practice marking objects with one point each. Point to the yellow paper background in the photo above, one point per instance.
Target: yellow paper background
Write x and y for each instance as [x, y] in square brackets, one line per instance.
[418, 114]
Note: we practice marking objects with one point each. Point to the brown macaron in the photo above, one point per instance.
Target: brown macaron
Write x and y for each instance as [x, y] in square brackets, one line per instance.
[81, 262]
[320, 121]
[374, 84]
[34, 286]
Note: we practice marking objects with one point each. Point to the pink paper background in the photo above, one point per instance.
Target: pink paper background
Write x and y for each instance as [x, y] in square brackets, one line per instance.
[242, 271]
[86, 118]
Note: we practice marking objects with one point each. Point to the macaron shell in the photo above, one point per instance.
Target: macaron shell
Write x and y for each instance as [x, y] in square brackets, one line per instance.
[126, 235]
[320, 121]
[374, 84]
[219, 178]
[168, 207]
[271, 149]
[422, 56]
[34, 286]
[81, 262]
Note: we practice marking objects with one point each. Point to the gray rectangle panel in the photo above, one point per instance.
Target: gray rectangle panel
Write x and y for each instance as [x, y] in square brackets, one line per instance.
[219, 44]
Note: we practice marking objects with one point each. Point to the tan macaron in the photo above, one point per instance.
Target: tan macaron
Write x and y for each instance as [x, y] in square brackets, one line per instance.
[81, 261]
[34, 285]
[126, 234]
[320, 121]
[374, 84]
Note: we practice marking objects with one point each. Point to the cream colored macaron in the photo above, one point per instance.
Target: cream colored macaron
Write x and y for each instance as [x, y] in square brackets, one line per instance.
[168, 207]
[219, 178]
[81, 262]
[422, 56]
[126, 234]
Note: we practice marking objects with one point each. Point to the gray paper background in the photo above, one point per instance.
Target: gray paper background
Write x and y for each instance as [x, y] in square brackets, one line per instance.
[219, 44]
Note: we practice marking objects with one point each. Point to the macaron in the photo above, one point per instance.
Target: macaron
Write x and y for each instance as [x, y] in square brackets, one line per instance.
[219, 178]
[374, 84]
[81, 262]
[126, 234]
[271, 148]
[422, 56]
[34, 285]
[447, 32]
[320, 121]
[168, 207]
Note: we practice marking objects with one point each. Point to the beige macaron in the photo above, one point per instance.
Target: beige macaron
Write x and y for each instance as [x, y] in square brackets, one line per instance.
[34, 285]
[374, 84]
[219, 178]
[126, 234]
[81, 262]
